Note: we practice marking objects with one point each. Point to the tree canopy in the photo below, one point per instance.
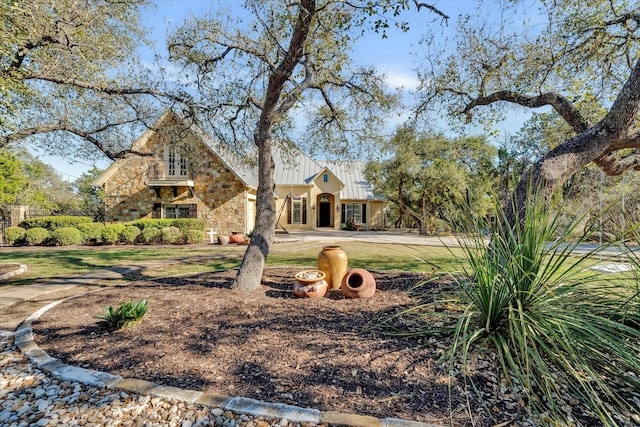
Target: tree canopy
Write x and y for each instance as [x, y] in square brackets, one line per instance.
[69, 76]
[580, 60]
[429, 176]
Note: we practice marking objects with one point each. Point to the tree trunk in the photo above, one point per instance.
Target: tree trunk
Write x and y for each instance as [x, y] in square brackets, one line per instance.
[250, 273]
[424, 221]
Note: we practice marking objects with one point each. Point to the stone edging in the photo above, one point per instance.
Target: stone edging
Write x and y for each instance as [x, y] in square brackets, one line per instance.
[21, 269]
[24, 340]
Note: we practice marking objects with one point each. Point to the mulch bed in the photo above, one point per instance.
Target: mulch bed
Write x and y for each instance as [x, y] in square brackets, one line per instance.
[269, 345]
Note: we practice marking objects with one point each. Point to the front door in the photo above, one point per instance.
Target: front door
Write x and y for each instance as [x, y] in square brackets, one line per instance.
[324, 210]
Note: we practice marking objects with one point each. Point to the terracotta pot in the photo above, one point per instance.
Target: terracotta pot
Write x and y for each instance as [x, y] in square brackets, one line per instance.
[358, 283]
[334, 262]
[310, 284]
[236, 237]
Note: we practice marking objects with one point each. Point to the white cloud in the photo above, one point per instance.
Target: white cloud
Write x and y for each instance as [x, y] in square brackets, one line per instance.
[401, 80]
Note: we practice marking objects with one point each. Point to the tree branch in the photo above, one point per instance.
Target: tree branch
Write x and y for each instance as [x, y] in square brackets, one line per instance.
[66, 127]
[560, 104]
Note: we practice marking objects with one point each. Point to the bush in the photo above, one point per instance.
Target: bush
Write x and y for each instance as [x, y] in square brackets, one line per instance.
[185, 224]
[129, 234]
[91, 230]
[150, 235]
[66, 236]
[111, 233]
[53, 222]
[152, 223]
[36, 236]
[14, 235]
[171, 235]
[128, 314]
[551, 325]
[193, 236]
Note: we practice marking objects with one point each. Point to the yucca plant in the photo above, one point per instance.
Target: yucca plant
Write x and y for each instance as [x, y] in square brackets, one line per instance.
[127, 314]
[551, 324]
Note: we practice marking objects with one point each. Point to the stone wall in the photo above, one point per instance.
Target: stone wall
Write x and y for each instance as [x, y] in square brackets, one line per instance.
[219, 194]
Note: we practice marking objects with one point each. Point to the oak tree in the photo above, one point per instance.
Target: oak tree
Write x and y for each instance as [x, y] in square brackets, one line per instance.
[573, 58]
[278, 67]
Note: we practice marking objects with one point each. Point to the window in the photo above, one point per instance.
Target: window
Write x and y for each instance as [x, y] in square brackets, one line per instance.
[325, 177]
[297, 210]
[176, 164]
[356, 212]
[180, 211]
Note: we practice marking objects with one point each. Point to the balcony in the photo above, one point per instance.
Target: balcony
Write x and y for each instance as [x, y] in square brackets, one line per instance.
[166, 174]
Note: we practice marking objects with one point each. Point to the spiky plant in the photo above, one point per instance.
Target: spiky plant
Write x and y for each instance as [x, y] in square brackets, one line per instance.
[552, 325]
[127, 314]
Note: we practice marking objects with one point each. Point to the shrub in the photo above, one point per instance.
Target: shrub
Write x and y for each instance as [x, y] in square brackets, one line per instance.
[150, 235]
[111, 233]
[66, 236]
[129, 234]
[53, 222]
[14, 235]
[185, 224]
[193, 236]
[152, 223]
[91, 230]
[128, 314]
[529, 302]
[36, 236]
[171, 235]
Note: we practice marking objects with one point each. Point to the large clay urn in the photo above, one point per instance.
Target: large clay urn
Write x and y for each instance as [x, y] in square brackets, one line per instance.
[358, 283]
[334, 262]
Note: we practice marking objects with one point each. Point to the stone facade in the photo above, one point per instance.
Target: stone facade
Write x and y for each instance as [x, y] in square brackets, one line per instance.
[218, 195]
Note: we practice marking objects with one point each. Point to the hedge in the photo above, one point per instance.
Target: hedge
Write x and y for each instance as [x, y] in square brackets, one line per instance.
[91, 230]
[171, 235]
[129, 234]
[14, 235]
[150, 235]
[36, 236]
[185, 224]
[111, 233]
[65, 236]
[193, 236]
[53, 222]
[152, 223]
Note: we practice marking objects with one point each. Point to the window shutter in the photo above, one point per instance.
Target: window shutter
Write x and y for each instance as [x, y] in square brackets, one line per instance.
[304, 210]
[193, 210]
[364, 213]
[157, 210]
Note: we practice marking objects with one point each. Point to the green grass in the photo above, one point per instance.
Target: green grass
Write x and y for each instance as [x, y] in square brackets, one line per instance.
[54, 262]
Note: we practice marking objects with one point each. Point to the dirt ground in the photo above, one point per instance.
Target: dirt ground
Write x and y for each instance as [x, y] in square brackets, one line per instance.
[269, 345]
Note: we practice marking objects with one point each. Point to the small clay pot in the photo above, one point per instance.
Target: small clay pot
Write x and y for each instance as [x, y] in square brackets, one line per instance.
[358, 283]
[236, 237]
[310, 284]
[314, 290]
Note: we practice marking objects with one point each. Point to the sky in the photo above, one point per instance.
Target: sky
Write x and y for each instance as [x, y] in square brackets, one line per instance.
[395, 56]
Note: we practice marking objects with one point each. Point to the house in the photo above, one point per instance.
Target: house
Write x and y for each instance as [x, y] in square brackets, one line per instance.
[185, 173]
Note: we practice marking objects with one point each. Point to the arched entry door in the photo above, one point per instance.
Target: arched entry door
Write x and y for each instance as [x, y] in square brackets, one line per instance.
[325, 210]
